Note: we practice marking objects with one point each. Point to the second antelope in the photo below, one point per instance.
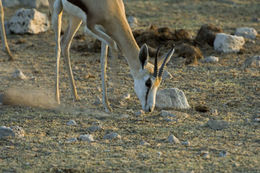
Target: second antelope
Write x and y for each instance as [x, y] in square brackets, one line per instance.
[106, 21]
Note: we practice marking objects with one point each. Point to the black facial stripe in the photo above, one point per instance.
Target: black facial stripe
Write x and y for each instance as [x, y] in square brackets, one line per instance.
[146, 96]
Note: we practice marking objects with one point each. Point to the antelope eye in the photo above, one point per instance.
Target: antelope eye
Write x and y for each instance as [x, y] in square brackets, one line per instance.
[148, 83]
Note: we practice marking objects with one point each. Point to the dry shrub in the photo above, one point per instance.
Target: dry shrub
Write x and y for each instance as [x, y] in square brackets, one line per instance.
[207, 34]
[191, 53]
[29, 97]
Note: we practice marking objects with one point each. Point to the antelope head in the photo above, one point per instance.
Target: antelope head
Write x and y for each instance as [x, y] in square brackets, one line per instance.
[147, 82]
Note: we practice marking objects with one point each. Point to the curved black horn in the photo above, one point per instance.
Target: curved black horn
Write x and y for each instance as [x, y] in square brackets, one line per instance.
[155, 71]
[167, 58]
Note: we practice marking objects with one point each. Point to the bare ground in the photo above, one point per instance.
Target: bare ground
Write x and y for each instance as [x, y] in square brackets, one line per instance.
[224, 87]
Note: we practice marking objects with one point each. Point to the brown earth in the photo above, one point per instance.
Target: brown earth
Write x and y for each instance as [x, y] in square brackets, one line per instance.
[222, 91]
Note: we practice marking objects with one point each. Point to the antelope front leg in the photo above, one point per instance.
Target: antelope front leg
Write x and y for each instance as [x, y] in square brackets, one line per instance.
[3, 34]
[103, 60]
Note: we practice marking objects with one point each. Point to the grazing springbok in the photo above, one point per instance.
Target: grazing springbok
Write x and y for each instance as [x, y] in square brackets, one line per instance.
[3, 35]
[106, 21]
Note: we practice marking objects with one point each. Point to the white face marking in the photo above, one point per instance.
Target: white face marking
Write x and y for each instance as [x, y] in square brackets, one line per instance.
[146, 95]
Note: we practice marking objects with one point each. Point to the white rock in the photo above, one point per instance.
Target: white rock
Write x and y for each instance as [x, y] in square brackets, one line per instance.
[173, 139]
[127, 96]
[18, 131]
[112, 135]
[210, 59]
[18, 74]
[95, 128]
[87, 137]
[246, 32]
[133, 22]
[165, 113]
[228, 43]
[10, 3]
[35, 3]
[6, 132]
[171, 98]
[71, 140]
[71, 123]
[28, 21]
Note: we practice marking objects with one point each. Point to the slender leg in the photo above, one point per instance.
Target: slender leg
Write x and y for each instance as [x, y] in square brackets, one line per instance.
[74, 24]
[56, 22]
[3, 34]
[103, 60]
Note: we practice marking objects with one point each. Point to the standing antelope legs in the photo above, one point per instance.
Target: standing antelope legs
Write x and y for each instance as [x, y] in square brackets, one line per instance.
[3, 34]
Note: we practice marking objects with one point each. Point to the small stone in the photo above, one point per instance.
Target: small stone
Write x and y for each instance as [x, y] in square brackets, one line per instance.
[6, 132]
[95, 128]
[223, 154]
[217, 124]
[87, 137]
[71, 140]
[169, 119]
[112, 135]
[186, 143]
[173, 139]
[71, 123]
[205, 154]
[18, 74]
[139, 113]
[246, 32]
[210, 59]
[144, 143]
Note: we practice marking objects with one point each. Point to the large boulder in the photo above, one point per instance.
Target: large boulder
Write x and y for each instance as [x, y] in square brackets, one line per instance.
[28, 21]
[171, 98]
[228, 43]
[246, 32]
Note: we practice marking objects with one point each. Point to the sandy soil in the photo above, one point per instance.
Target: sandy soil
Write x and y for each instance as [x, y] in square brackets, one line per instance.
[223, 87]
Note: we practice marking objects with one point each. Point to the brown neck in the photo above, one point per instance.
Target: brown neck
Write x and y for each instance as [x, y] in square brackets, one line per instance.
[123, 36]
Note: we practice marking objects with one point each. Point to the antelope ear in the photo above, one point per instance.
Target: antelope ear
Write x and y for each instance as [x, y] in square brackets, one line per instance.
[143, 55]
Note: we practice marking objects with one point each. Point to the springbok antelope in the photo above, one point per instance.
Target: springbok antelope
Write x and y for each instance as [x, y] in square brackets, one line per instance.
[3, 35]
[106, 21]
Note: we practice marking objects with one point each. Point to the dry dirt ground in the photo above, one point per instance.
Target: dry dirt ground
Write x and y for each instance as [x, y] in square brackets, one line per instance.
[224, 87]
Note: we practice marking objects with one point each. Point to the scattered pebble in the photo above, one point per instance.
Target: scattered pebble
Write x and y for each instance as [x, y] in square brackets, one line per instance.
[98, 101]
[205, 154]
[214, 112]
[257, 119]
[223, 154]
[144, 143]
[159, 153]
[71, 140]
[124, 116]
[71, 123]
[6, 132]
[95, 128]
[112, 135]
[210, 59]
[87, 137]
[217, 124]
[246, 32]
[173, 139]
[186, 143]
[18, 74]
[14, 131]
